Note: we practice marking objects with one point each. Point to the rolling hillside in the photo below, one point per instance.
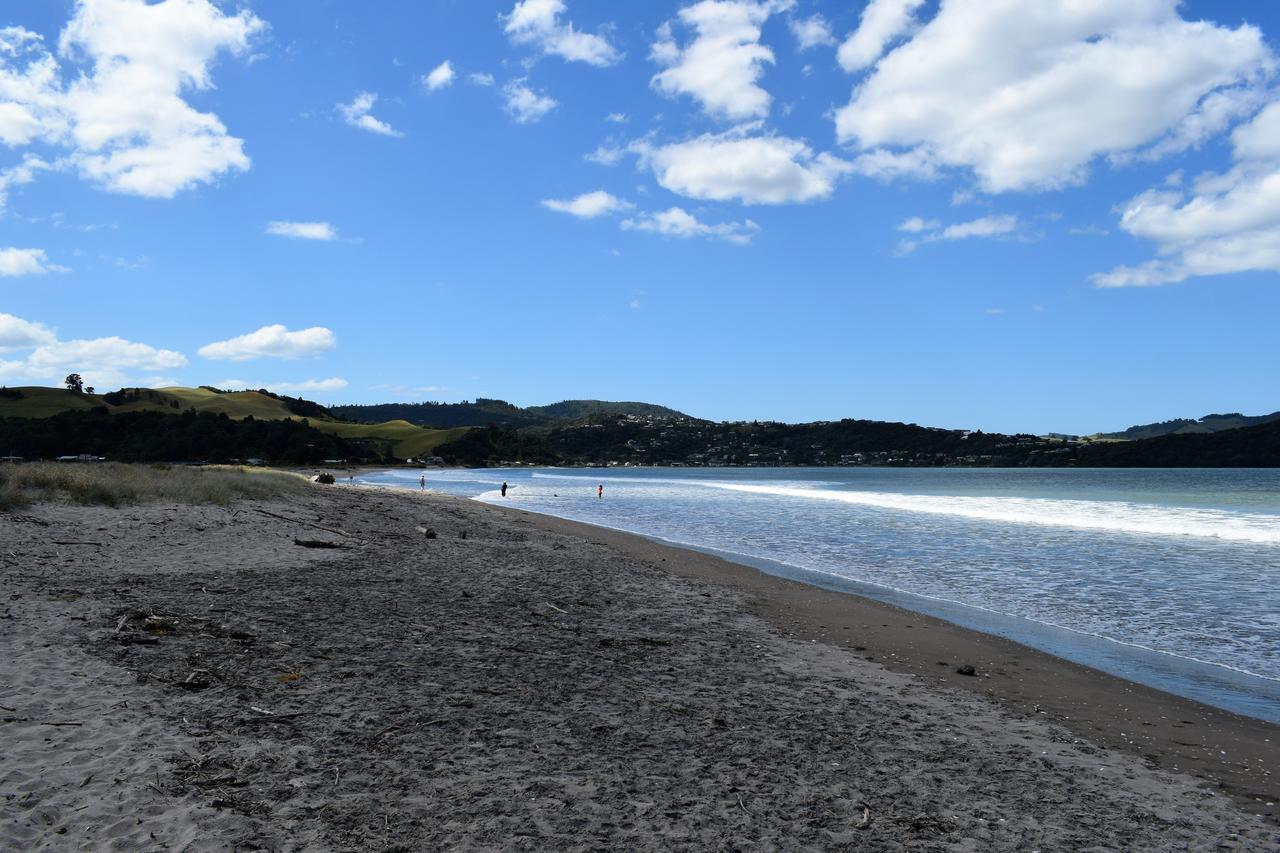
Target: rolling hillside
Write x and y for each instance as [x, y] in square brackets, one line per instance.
[397, 438]
[484, 412]
[1186, 426]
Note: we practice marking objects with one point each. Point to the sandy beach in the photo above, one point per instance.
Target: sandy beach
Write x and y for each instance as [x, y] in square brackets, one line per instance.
[458, 676]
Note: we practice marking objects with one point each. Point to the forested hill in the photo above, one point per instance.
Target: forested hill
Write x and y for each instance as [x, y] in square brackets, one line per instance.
[1255, 446]
[483, 412]
[1187, 426]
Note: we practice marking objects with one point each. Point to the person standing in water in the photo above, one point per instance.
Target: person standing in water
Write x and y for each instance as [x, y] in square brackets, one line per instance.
[504, 488]
[422, 483]
[600, 491]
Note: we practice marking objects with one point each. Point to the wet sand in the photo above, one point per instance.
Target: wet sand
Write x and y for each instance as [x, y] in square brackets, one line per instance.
[191, 678]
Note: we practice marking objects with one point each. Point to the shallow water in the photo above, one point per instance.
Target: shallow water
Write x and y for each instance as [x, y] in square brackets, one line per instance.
[1168, 577]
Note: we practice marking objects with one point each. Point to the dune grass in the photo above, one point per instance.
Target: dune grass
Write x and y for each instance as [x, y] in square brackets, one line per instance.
[118, 484]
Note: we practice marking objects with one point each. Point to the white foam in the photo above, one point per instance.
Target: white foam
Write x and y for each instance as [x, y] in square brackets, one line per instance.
[1116, 516]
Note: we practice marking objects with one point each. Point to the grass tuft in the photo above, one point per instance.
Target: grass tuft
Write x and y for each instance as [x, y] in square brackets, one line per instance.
[117, 484]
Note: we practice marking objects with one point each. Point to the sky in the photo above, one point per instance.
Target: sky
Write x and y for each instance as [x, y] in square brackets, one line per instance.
[993, 214]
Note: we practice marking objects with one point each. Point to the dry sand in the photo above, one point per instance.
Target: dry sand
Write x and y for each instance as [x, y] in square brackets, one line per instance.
[178, 678]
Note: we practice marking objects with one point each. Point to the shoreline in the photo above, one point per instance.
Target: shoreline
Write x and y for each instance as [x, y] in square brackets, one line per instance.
[1236, 752]
[353, 669]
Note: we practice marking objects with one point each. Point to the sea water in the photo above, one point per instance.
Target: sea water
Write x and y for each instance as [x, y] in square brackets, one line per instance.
[1166, 577]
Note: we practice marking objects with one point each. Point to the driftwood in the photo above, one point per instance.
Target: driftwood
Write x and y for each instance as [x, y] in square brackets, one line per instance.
[332, 530]
[317, 543]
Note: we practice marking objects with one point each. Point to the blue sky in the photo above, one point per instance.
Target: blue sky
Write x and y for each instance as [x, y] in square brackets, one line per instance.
[957, 213]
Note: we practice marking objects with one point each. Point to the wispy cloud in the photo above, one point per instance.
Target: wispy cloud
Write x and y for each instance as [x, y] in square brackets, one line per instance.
[303, 230]
[357, 114]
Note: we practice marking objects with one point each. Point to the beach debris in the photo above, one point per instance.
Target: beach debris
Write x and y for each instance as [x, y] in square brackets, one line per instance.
[462, 535]
[866, 817]
[300, 521]
[428, 532]
[161, 626]
[966, 669]
[317, 543]
[196, 680]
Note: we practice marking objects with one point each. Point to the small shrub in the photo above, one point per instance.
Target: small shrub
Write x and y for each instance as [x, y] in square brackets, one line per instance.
[325, 478]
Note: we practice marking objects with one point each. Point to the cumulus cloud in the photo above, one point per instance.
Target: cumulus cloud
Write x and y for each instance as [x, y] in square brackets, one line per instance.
[1222, 223]
[720, 67]
[882, 21]
[481, 79]
[101, 361]
[525, 105]
[678, 222]
[123, 116]
[272, 342]
[17, 333]
[753, 170]
[811, 32]
[333, 383]
[439, 77]
[358, 114]
[537, 23]
[589, 205]
[303, 230]
[1028, 101]
[19, 262]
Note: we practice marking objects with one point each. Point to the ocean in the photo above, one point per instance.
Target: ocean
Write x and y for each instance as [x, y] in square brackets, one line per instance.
[1166, 577]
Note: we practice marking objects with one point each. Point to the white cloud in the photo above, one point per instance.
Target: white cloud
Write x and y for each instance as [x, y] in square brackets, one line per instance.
[604, 155]
[357, 114]
[677, 222]
[16, 333]
[333, 383]
[272, 342]
[303, 230]
[101, 361]
[102, 354]
[811, 32]
[123, 116]
[882, 21]
[932, 231]
[617, 118]
[721, 65]
[481, 79]
[1223, 224]
[537, 23]
[18, 262]
[439, 77]
[754, 170]
[23, 173]
[589, 205]
[525, 105]
[987, 226]
[916, 225]
[1030, 100]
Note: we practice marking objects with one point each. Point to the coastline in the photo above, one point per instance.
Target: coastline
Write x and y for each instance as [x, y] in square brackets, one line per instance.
[178, 675]
[1238, 753]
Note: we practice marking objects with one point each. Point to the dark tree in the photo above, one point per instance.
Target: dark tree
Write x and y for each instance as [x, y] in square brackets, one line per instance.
[74, 383]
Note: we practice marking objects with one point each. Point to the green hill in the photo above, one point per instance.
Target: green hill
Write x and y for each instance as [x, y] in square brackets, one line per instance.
[1186, 426]
[396, 438]
[486, 412]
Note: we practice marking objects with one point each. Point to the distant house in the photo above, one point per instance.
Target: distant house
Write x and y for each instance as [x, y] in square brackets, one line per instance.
[82, 457]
